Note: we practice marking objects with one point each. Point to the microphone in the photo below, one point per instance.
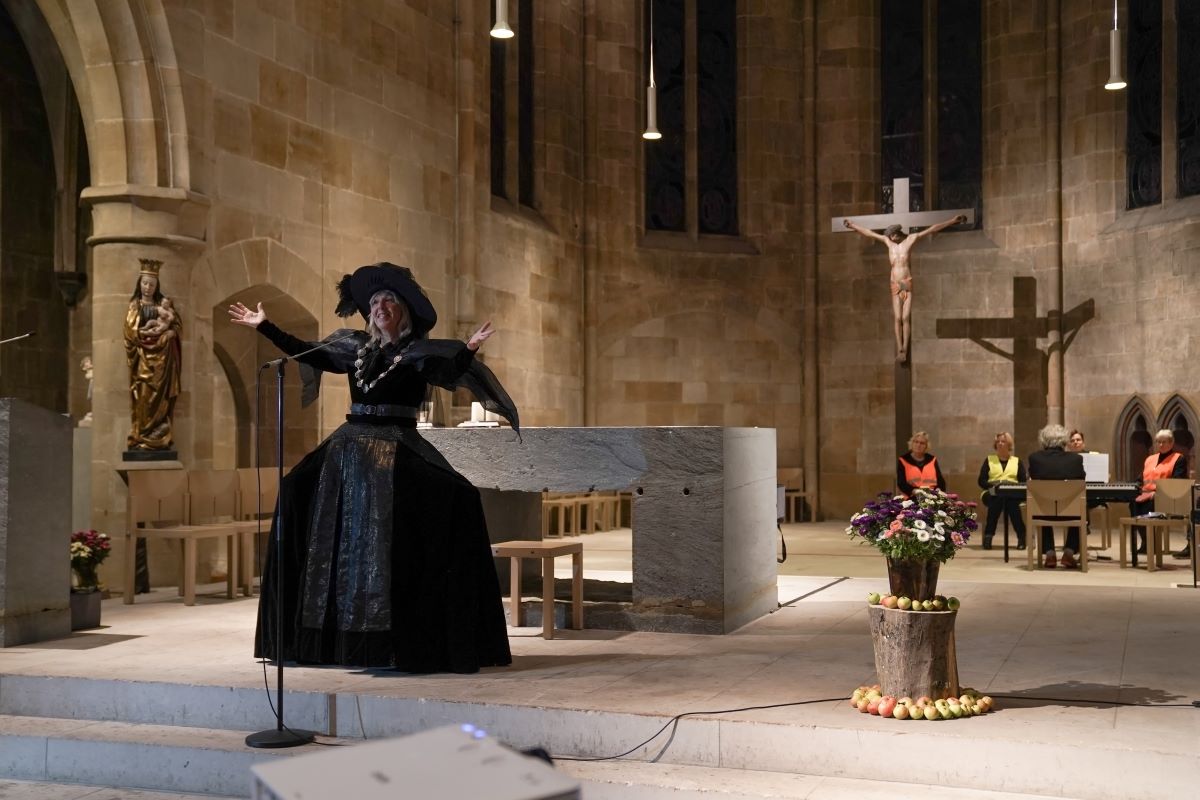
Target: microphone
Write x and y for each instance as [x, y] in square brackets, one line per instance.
[275, 362]
[15, 338]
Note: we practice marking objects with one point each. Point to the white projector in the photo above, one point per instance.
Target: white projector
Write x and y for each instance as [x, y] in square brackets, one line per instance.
[456, 761]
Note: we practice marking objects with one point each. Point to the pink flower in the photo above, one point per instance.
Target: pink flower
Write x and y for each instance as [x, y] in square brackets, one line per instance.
[957, 538]
[895, 526]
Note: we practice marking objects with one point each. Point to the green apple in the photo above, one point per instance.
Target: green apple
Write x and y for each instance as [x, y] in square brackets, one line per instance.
[939, 603]
[900, 711]
[904, 603]
[953, 603]
[931, 713]
[873, 598]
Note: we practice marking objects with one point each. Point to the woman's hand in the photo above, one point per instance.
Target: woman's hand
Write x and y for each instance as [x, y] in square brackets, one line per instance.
[243, 316]
[480, 336]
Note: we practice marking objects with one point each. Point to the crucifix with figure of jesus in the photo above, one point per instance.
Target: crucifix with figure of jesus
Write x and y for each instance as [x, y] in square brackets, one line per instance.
[899, 237]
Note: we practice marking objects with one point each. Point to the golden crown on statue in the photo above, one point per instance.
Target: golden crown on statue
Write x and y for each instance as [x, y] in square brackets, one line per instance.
[149, 266]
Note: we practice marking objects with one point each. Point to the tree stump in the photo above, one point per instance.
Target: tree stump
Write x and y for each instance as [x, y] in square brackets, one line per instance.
[914, 652]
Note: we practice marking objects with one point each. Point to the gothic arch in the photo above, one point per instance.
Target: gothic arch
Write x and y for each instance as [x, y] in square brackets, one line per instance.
[1178, 416]
[1133, 439]
[120, 57]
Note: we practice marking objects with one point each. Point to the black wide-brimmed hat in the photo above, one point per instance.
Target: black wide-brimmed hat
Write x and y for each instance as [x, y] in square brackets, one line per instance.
[355, 291]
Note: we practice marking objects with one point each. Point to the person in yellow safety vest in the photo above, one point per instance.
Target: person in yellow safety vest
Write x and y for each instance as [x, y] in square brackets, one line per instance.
[1165, 463]
[998, 468]
[918, 468]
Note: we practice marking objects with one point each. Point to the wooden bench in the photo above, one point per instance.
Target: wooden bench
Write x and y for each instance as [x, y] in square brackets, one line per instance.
[189, 507]
[547, 552]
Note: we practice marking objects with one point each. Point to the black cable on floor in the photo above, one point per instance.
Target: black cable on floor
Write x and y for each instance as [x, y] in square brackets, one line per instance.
[673, 723]
[1082, 701]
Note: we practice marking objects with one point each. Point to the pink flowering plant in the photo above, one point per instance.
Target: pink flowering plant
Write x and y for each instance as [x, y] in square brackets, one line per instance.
[88, 550]
[930, 524]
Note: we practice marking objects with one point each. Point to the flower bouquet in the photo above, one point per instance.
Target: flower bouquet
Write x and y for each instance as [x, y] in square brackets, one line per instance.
[916, 534]
[88, 550]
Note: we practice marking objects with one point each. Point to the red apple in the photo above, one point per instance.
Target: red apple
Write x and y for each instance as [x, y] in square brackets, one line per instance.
[887, 705]
[873, 706]
[890, 601]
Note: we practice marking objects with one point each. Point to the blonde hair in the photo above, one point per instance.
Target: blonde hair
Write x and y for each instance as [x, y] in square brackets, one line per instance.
[918, 435]
[405, 328]
[1006, 436]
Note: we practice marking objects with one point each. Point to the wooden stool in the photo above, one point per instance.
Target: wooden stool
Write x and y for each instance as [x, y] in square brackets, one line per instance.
[547, 552]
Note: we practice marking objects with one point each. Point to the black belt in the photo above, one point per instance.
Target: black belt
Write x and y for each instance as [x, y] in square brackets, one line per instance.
[382, 410]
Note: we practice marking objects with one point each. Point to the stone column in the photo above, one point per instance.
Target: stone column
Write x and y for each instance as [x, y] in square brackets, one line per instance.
[129, 223]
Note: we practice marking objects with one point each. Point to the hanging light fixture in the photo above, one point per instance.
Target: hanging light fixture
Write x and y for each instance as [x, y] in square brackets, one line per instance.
[651, 131]
[1115, 81]
[501, 30]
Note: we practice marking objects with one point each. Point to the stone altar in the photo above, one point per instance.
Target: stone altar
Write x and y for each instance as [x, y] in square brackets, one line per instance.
[35, 523]
[704, 524]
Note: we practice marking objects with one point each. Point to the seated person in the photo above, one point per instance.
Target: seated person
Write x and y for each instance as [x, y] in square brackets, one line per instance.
[1165, 463]
[918, 468]
[998, 468]
[1054, 463]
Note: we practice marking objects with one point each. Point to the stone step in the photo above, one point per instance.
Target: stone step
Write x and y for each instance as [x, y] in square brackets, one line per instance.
[996, 752]
[131, 755]
[41, 790]
[626, 780]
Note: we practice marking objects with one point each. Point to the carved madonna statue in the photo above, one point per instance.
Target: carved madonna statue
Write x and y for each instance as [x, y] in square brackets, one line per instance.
[152, 348]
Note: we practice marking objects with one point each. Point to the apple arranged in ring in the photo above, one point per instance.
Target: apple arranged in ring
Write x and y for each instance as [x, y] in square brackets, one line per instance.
[870, 700]
[936, 603]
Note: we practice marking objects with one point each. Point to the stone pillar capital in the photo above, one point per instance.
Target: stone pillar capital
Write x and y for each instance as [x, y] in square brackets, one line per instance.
[158, 215]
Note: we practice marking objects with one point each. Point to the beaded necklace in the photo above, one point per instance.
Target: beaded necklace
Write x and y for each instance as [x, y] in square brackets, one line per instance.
[359, 362]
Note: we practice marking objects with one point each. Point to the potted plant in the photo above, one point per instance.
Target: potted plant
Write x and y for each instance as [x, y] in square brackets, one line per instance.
[917, 534]
[913, 631]
[88, 551]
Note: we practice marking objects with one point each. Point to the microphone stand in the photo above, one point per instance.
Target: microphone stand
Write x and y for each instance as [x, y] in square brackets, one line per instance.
[281, 735]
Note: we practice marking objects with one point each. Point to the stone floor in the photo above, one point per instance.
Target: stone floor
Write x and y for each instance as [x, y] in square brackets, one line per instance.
[1094, 673]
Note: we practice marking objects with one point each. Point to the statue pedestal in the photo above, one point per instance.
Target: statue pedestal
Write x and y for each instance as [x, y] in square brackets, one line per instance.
[35, 523]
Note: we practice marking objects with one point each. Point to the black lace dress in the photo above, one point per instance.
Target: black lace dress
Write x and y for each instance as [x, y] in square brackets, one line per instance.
[386, 558]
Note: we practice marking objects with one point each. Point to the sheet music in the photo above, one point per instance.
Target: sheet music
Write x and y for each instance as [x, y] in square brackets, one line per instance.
[1095, 467]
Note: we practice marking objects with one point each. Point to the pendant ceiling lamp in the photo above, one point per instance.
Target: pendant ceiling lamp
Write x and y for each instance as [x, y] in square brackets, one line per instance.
[651, 131]
[1115, 81]
[501, 30]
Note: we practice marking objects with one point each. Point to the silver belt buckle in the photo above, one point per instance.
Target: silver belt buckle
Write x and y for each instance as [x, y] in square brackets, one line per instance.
[368, 409]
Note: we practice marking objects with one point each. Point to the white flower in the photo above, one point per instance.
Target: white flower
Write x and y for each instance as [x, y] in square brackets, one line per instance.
[849, 529]
[939, 537]
[906, 504]
[922, 535]
[919, 524]
[942, 513]
[939, 527]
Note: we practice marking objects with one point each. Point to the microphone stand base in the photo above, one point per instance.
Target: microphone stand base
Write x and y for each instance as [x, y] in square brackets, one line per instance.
[274, 738]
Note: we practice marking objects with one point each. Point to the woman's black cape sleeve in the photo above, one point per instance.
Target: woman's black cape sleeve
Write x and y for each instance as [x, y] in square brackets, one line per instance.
[336, 357]
[450, 364]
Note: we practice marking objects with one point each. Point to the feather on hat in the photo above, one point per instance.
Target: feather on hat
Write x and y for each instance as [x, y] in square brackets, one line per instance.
[355, 291]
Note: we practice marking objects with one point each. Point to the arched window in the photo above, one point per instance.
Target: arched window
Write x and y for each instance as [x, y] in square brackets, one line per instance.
[1134, 440]
[1178, 417]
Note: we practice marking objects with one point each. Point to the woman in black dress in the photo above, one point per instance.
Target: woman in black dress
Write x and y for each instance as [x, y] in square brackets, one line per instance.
[386, 559]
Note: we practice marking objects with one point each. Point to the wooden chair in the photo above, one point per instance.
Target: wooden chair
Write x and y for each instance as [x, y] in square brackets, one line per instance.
[1055, 504]
[795, 494]
[1172, 509]
[547, 552]
[561, 514]
[157, 508]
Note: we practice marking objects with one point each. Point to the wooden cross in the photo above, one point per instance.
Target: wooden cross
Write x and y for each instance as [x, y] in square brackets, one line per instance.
[909, 221]
[1029, 362]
